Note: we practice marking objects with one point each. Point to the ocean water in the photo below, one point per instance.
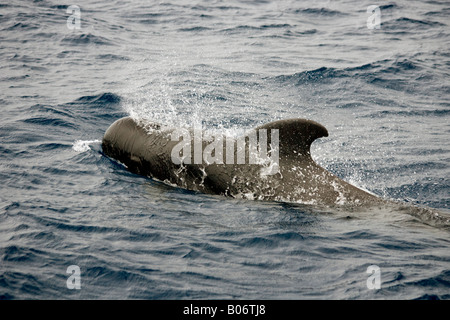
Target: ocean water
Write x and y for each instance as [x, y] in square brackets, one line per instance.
[378, 80]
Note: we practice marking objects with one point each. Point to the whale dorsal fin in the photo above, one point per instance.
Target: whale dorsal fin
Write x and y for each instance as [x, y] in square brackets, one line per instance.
[296, 135]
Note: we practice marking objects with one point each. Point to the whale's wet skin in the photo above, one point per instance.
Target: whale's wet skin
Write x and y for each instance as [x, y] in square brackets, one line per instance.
[293, 176]
[235, 207]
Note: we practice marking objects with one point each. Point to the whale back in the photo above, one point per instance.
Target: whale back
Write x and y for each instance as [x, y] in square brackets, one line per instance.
[146, 149]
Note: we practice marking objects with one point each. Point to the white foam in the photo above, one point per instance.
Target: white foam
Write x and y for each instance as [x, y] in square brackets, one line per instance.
[83, 145]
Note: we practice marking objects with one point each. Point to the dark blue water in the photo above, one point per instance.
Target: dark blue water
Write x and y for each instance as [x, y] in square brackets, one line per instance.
[383, 94]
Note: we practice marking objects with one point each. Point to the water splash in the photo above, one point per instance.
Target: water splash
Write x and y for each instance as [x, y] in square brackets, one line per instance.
[83, 145]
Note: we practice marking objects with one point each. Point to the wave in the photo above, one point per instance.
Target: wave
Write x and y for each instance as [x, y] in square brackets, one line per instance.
[194, 29]
[257, 28]
[19, 254]
[111, 57]
[409, 113]
[102, 99]
[389, 73]
[52, 127]
[86, 39]
[317, 75]
[48, 121]
[388, 6]
[443, 13]
[409, 25]
[22, 26]
[83, 145]
[320, 12]
[23, 282]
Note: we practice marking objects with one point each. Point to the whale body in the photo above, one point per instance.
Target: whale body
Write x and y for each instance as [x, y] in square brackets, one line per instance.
[148, 149]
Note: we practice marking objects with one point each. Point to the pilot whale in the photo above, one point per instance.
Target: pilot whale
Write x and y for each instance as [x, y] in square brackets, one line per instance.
[287, 173]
